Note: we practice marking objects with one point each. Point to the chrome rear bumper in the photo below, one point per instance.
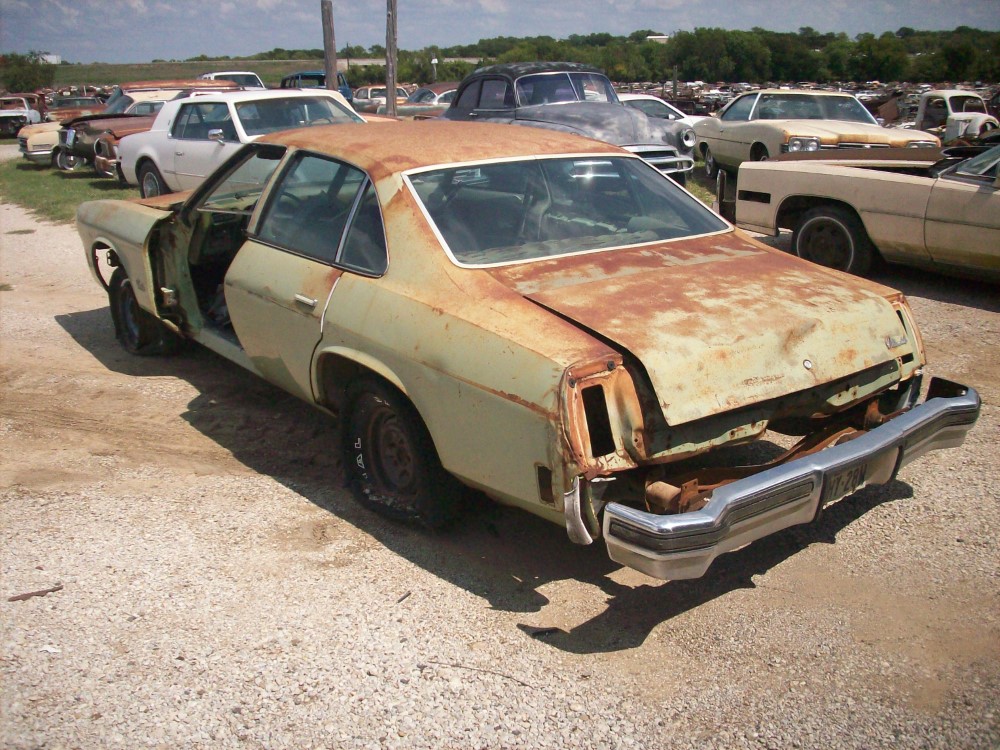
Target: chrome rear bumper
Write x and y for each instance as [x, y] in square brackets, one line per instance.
[684, 545]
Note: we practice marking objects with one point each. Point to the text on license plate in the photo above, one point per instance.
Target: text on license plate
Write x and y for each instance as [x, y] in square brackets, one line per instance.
[843, 482]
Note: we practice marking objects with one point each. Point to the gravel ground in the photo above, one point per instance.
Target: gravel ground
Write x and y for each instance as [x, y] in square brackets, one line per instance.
[219, 587]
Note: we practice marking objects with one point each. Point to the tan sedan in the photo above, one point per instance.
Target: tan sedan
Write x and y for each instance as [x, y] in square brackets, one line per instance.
[844, 212]
[763, 124]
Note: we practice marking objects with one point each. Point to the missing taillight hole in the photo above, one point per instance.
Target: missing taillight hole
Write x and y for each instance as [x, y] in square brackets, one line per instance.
[545, 485]
[595, 407]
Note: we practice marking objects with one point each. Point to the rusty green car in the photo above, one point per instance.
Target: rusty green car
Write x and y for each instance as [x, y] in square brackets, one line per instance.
[538, 316]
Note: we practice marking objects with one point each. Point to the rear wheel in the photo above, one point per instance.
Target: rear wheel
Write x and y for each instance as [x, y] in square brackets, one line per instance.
[390, 457]
[137, 331]
[711, 166]
[151, 181]
[833, 237]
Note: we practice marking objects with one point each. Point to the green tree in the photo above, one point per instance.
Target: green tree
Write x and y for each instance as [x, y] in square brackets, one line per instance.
[26, 72]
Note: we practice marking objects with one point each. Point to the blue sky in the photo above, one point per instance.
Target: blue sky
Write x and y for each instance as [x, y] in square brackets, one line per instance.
[123, 31]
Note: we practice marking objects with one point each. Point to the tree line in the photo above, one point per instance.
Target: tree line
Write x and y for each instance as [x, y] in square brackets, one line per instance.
[705, 54]
[721, 55]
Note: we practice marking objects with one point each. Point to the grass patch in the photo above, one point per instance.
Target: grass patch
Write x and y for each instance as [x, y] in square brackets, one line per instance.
[53, 194]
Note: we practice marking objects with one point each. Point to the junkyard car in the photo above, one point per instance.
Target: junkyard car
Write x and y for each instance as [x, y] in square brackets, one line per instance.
[572, 98]
[77, 137]
[68, 107]
[763, 124]
[316, 79]
[542, 317]
[911, 207]
[191, 137]
[15, 113]
[369, 98]
[245, 78]
[428, 101]
[954, 113]
[654, 106]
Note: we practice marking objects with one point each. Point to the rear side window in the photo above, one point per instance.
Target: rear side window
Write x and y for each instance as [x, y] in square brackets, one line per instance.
[470, 96]
[196, 121]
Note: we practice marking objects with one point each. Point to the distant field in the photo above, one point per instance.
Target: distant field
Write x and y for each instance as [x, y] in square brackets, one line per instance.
[99, 74]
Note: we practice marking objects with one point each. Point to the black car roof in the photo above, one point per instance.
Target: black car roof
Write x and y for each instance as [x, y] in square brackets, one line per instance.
[516, 70]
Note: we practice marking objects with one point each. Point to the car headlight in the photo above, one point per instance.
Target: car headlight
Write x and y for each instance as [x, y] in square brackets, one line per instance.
[688, 138]
[801, 143]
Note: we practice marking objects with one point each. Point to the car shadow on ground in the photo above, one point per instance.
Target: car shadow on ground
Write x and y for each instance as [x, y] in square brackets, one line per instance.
[503, 555]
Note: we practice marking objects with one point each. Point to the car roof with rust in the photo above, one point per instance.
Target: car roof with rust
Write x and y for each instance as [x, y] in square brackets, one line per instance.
[516, 70]
[175, 83]
[400, 146]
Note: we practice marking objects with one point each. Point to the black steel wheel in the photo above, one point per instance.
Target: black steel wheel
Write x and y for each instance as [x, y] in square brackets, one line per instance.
[390, 457]
[834, 237]
[151, 181]
[137, 330]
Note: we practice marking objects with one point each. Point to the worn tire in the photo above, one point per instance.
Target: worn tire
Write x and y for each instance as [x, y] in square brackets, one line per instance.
[391, 460]
[137, 331]
[151, 181]
[834, 237]
[711, 165]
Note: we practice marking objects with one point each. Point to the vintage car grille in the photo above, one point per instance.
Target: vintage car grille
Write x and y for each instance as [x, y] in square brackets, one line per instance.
[665, 159]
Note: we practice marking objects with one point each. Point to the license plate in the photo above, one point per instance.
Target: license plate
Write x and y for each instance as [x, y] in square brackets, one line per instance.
[843, 482]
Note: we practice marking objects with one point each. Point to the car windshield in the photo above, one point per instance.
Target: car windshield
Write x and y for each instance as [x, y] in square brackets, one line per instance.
[268, 115]
[655, 108]
[981, 165]
[75, 101]
[119, 105]
[513, 212]
[241, 79]
[554, 88]
[811, 107]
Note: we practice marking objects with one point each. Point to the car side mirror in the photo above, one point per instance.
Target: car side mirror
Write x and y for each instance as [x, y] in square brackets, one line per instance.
[216, 134]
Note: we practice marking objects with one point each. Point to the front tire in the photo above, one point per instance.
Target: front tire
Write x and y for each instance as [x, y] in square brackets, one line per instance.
[391, 460]
[138, 332]
[833, 237]
[151, 181]
[68, 162]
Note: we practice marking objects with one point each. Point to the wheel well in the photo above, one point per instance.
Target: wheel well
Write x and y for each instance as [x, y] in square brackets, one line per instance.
[791, 209]
[756, 149]
[335, 375]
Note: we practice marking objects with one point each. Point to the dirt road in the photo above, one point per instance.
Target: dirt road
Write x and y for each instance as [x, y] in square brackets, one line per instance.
[221, 589]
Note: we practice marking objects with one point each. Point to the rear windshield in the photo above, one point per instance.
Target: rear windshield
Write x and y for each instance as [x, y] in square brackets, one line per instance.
[515, 212]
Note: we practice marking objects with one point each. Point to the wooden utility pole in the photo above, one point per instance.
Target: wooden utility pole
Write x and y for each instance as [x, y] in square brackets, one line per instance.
[329, 45]
[390, 59]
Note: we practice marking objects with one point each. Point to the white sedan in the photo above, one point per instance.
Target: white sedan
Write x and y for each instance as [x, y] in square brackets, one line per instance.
[654, 106]
[191, 137]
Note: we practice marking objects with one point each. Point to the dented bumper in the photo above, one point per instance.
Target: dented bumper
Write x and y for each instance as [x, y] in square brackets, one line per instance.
[684, 545]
